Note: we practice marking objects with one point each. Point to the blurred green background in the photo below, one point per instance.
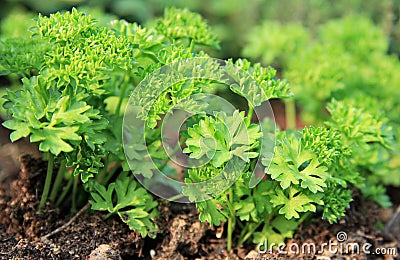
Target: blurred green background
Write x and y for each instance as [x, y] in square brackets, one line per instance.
[232, 19]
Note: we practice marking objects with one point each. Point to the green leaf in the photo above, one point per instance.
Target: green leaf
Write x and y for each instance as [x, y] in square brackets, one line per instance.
[294, 165]
[244, 203]
[54, 139]
[85, 161]
[183, 24]
[221, 137]
[102, 198]
[256, 83]
[358, 125]
[22, 56]
[275, 43]
[327, 144]
[276, 230]
[296, 201]
[285, 174]
[313, 176]
[211, 212]
[130, 201]
[336, 201]
[21, 129]
[376, 193]
[70, 115]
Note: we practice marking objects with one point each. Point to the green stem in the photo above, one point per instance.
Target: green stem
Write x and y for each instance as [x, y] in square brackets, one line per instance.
[230, 233]
[109, 174]
[242, 234]
[162, 167]
[191, 46]
[64, 192]
[243, 239]
[290, 110]
[178, 196]
[249, 115]
[240, 225]
[74, 193]
[105, 174]
[122, 94]
[108, 215]
[57, 182]
[176, 149]
[303, 217]
[231, 222]
[103, 171]
[150, 55]
[47, 183]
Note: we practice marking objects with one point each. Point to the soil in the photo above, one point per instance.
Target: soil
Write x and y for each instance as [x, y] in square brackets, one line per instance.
[23, 230]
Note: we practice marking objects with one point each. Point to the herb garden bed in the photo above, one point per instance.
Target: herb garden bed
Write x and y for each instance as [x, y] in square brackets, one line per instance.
[183, 236]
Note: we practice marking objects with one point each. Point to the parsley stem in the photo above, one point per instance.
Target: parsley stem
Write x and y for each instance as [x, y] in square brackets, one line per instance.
[290, 113]
[108, 215]
[110, 173]
[191, 46]
[240, 224]
[150, 55]
[249, 115]
[47, 183]
[231, 222]
[243, 238]
[74, 193]
[242, 234]
[103, 171]
[229, 235]
[57, 182]
[111, 165]
[173, 153]
[303, 217]
[176, 197]
[64, 192]
[122, 94]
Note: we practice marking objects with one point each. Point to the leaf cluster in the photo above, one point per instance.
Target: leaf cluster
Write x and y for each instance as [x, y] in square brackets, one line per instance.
[76, 84]
[347, 70]
[312, 173]
[221, 137]
[131, 202]
[76, 77]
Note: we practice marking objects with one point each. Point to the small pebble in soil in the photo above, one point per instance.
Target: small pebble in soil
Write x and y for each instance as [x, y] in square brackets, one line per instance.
[152, 253]
[252, 255]
[386, 214]
[104, 252]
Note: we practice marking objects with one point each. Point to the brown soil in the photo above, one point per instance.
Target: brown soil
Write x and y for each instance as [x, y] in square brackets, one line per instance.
[182, 235]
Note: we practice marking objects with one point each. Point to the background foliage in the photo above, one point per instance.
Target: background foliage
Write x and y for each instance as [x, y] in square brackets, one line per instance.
[341, 59]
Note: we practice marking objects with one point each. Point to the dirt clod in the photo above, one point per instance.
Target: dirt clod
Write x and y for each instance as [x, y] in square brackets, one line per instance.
[185, 231]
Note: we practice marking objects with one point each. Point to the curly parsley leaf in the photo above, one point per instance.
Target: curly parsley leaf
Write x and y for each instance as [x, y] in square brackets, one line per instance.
[256, 82]
[358, 125]
[182, 24]
[336, 201]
